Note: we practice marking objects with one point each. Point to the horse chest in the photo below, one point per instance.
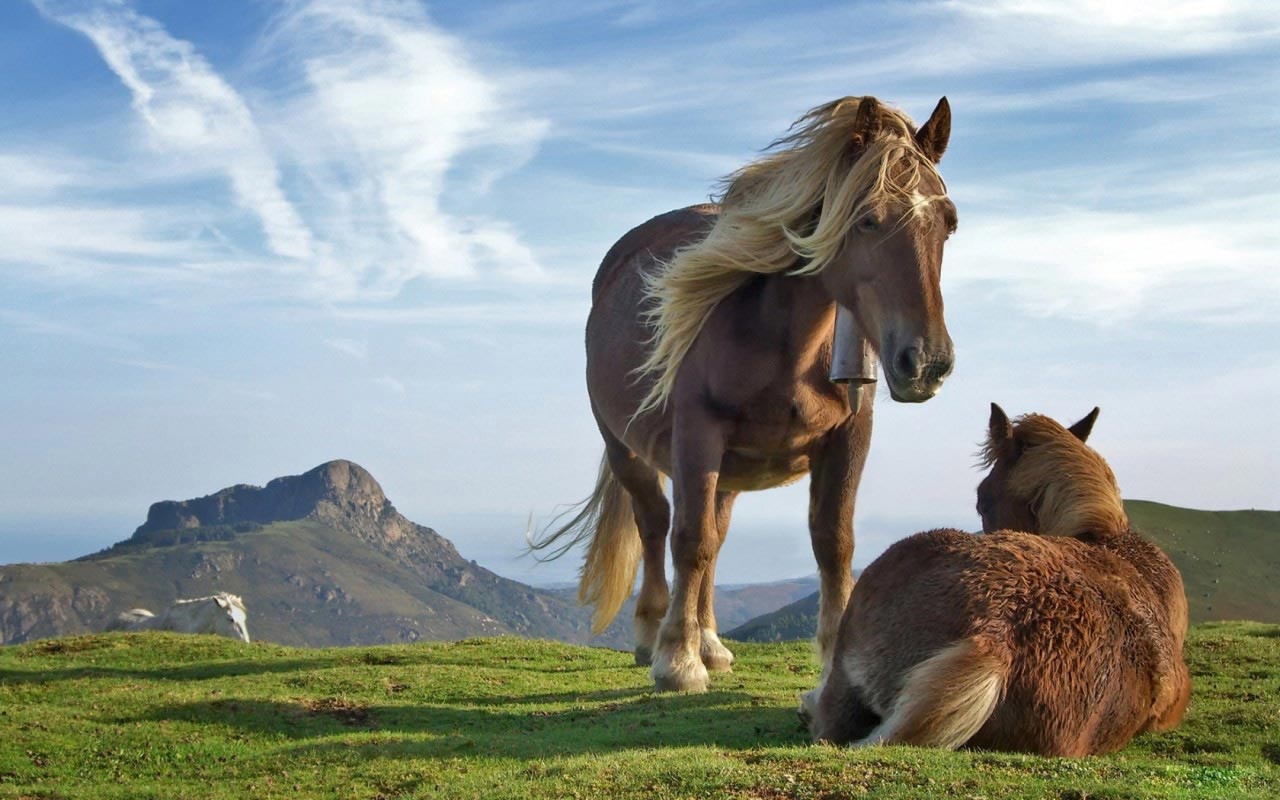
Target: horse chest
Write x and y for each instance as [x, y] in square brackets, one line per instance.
[772, 434]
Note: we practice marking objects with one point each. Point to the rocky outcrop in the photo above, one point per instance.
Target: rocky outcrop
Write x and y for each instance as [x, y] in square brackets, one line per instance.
[334, 490]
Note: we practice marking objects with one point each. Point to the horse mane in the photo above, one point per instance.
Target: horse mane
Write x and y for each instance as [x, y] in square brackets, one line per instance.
[1071, 488]
[797, 203]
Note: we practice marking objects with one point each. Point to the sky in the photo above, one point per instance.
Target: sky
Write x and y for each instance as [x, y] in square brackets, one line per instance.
[239, 239]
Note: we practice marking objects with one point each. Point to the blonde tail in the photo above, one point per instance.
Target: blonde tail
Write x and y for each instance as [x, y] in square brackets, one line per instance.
[947, 698]
[607, 521]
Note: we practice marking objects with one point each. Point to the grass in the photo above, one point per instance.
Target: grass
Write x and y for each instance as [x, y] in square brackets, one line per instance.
[161, 715]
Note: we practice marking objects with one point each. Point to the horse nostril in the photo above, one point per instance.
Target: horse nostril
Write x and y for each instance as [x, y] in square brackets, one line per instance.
[939, 369]
[909, 361]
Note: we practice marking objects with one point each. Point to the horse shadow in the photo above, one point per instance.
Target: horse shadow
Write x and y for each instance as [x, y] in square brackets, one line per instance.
[595, 722]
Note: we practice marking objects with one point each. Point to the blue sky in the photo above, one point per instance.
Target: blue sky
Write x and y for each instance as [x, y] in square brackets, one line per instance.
[238, 239]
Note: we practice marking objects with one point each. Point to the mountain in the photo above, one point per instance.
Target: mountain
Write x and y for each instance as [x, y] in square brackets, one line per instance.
[735, 603]
[321, 558]
[1229, 560]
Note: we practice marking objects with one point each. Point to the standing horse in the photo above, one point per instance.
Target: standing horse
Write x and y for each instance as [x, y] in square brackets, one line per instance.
[222, 614]
[709, 353]
[1066, 644]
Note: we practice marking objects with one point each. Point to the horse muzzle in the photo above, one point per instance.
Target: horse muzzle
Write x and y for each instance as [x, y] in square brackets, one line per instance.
[915, 374]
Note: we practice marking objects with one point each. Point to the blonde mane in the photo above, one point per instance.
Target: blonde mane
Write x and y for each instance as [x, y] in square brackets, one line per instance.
[1069, 486]
[822, 169]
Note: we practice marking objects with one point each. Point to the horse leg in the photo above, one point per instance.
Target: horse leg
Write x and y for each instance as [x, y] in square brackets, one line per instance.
[653, 516]
[698, 446]
[715, 656]
[835, 469]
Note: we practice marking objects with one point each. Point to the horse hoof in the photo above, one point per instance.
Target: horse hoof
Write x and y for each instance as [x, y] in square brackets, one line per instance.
[673, 683]
[691, 678]
[718, 662]
[715, 656]
[644, 657]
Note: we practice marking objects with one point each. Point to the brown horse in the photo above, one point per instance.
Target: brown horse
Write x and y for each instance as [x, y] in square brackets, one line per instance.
[709, 350]
[1064, 644]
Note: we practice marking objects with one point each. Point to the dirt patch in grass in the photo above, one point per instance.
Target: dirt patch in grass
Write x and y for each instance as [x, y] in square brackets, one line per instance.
[76, 644]
[344, 711]
[1271, 752]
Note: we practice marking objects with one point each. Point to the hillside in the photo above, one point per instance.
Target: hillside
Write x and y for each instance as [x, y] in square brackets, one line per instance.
[1229, 560]
[321, 558]
[160, 716]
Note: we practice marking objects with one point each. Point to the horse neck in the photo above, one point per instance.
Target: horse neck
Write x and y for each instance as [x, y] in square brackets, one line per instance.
[804, 307]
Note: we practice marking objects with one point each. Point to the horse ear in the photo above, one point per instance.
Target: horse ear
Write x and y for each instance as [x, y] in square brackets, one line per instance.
[221, 601]
[1084, 427]
[933, 136]
[998, 428]
[999, 434]
[867, 122]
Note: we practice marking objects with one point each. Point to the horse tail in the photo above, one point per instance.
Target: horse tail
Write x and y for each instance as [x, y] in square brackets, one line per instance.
[947, 698]
[608, 524]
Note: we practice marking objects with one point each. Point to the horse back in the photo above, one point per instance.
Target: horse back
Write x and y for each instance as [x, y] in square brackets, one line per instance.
[652, 242]
[127, 620]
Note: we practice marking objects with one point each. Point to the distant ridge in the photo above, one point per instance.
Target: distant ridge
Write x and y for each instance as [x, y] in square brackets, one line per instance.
[1229, 560]
[321, 558]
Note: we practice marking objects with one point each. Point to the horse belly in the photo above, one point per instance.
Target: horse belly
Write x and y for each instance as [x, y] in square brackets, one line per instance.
[749, 471]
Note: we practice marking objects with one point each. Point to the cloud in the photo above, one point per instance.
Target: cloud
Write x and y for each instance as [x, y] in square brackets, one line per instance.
[365, 167]
[1098, 31]
[388, 92]
[1156, 238]
[190, 111]
[1111, 266]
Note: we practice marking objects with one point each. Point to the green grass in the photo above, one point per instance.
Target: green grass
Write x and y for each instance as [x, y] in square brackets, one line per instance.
[160, 715]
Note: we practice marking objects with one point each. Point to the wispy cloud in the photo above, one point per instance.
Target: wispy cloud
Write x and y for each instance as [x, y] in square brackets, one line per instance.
[394, 107]
[190, 111]
[1113, 266]
[350, 166]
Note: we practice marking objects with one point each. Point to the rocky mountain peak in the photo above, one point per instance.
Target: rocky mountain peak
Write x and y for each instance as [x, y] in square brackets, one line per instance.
[335, 489]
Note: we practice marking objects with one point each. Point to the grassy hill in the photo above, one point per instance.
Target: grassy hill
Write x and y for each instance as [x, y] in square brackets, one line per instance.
[162, 716]
[1229, 560]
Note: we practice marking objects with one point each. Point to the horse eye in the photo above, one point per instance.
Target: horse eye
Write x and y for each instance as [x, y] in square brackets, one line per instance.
[868, 224]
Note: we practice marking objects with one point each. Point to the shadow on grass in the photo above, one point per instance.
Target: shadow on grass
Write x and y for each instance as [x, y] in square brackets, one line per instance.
[190, 672]
[594, 722]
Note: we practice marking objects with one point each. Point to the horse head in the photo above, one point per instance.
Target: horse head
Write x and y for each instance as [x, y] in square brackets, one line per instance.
[230, 619]
[1045, 479]
[888, 269]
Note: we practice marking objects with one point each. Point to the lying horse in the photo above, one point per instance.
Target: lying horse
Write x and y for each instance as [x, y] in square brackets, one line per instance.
[1068, 643]
[221, 613]
[715, 356]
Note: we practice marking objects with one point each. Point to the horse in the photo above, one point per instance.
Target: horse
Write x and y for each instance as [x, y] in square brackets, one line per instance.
[1058, 632]
[709, 350]
[222, 614]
